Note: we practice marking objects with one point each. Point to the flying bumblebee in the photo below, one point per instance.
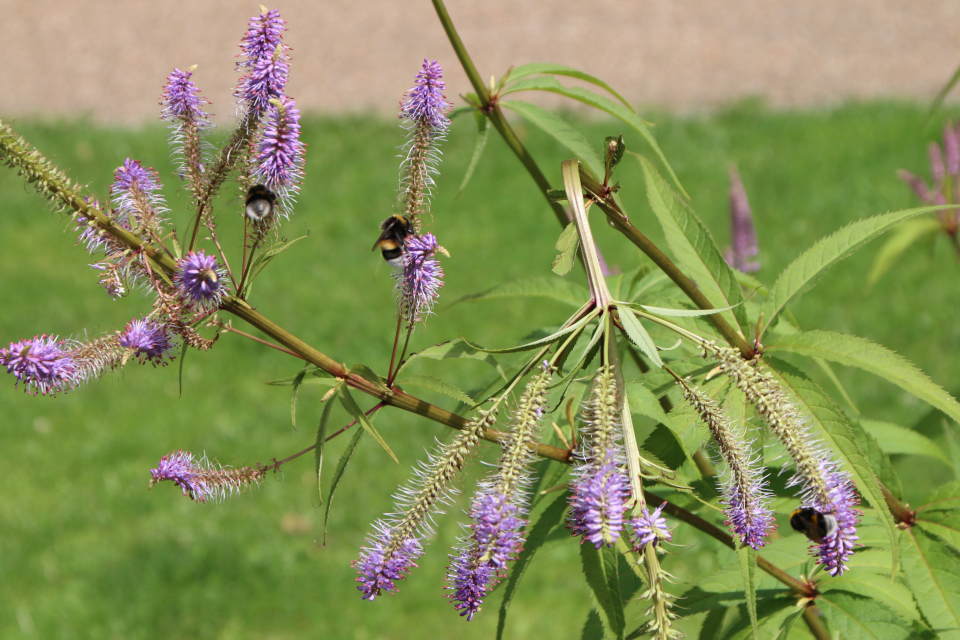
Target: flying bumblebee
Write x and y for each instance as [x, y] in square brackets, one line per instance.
[395, 231]
[260, 203]
[813, 524]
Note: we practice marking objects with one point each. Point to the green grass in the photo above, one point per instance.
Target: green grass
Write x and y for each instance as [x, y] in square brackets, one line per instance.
[86, 551]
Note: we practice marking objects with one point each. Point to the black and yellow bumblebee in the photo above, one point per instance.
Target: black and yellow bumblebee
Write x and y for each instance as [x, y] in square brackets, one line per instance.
[813, 524]
[393, 237]
[260, 203]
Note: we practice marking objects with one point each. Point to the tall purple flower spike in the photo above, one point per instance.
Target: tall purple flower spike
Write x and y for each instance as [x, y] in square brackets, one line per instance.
[743, 234]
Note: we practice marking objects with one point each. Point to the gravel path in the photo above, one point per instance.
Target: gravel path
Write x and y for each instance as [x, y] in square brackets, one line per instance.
[109, 58]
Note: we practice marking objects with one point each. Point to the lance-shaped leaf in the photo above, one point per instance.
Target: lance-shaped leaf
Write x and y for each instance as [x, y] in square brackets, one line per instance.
[856, 617]
[694, 248]
[320, 447]
[345, 458]
[560, 130]
[537, 343]
[900, 240]
[638, 335]
[483, 132]
[859, 352]
[455, 349]
[567, 245]
[589, 98]
[747, 558]
[549, 287]
[354, 410]
[805, 271]
[600, 568]
[535, 68]
[894, 438]
[438, 385]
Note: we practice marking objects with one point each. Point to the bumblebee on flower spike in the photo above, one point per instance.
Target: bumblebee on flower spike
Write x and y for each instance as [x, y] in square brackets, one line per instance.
[393, 239]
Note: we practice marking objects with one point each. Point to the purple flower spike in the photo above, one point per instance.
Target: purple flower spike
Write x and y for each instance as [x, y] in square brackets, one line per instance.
[381, 568]
[42, 364]
[470, 581]
[425, 102]
[841, 502]
[743, 233]
[184, 472]
[951, 148]
[267, 61]
[597, 503]
[280, 157]
[649, 528]
[181, 98]
[149, 340]
[750, 519]
[199, 279]
[497, 529]
[418, 284]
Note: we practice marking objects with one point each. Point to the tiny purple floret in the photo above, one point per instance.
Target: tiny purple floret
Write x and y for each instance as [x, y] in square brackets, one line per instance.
[649, 528]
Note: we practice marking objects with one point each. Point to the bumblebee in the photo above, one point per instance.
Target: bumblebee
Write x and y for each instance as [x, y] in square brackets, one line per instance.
[260, 203]
[813, 524]
[393, 237]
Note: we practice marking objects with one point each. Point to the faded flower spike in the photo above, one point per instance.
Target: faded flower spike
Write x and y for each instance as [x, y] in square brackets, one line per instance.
[417, 285]
[201, 480]
[199, 279]
[649, 528]
[398, 538]
[43, 364]
[495, 535]
[743, 486]
[744, 236]
[267, 62]
[149, 340]
[823, 486]
[280, 155]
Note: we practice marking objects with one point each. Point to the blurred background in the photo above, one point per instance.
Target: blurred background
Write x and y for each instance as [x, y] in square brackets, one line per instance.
[105, 58]
[818, 103]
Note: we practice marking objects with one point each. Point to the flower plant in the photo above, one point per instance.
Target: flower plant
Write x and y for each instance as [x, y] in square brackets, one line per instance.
[681, 355]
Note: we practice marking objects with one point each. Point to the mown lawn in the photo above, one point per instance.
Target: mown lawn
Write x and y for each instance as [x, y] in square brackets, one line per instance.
[87, 552]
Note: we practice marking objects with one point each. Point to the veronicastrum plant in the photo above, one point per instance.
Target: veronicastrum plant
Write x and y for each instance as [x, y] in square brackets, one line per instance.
[677, 394]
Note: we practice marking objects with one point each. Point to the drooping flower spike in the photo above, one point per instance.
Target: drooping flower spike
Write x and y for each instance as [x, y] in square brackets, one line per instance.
[600, 489]
[498, 511]
[202, 480]
[148, 340]
[823, 485]
[398, 538]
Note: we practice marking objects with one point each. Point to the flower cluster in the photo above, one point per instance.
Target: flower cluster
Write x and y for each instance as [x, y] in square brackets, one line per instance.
[649, 528]
[823, 485]
[199, 280]
[267, 64]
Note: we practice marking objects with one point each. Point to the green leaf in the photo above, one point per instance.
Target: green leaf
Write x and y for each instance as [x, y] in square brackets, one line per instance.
[679, 313]
[550, 287]
[603, 581]
[370, 376]
[896, 439]
[858, 352]
[438, 385]
[567, 245]
[321, 445]
[589, 98]
[592, 627]
[855, 617]
[354, 410]
[537, 343]
[694, 248]
[293, 398]
[879, 460]
[829, 425]
[932, 569]
[338, 475]
[561, 131]
[454, 349]
[805, 271]
[549, 520]
[747, 558]
[483, 132]
[871, 582]
[901, 238]
[560, 70]
[638, 335]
